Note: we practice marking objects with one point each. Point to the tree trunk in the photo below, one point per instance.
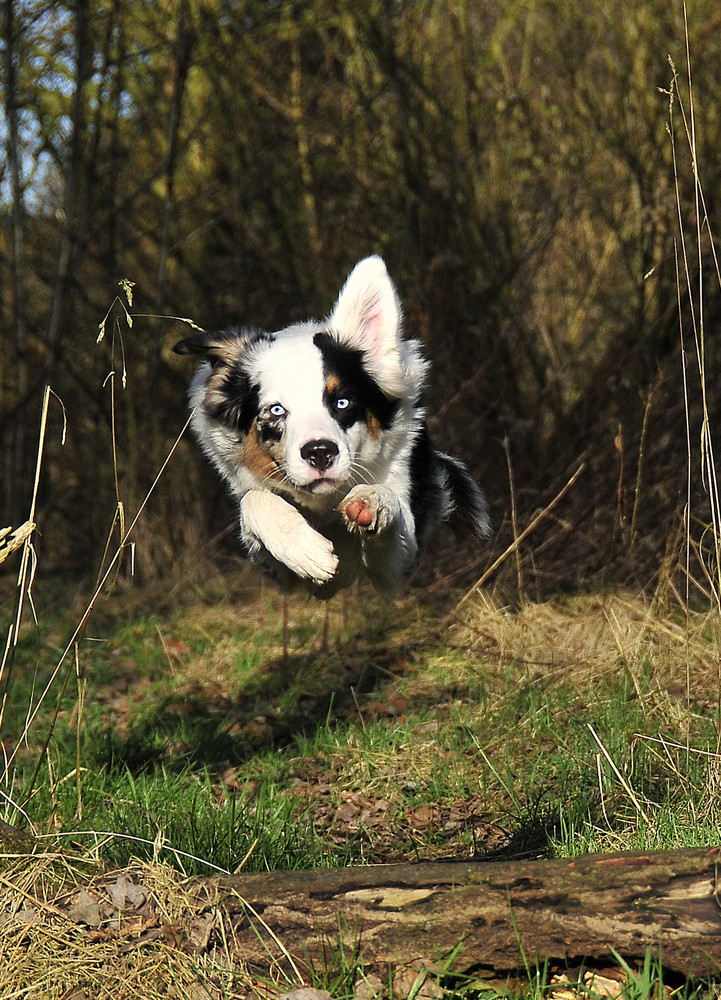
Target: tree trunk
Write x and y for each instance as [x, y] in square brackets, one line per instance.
[506, 914]
[181, 63]
[72, 226]
[17, 478]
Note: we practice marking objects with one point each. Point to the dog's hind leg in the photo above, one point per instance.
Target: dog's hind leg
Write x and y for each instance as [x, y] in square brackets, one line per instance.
[286, 616]
[326, 627]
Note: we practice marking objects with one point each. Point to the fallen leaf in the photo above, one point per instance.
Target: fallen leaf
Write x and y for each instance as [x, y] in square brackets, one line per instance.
[124, 893]
[85, 910]
[602, 986]
[201, 927]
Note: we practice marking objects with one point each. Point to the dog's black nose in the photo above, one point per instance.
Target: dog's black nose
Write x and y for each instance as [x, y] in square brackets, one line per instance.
[319, 454]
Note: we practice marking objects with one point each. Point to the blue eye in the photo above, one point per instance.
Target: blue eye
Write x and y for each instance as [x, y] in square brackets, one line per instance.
[342, 403]
[276, 410]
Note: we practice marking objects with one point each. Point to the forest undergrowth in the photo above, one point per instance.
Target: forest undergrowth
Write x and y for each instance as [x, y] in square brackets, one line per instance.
[519, 703]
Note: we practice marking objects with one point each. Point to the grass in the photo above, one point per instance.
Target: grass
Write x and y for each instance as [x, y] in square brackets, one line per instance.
[560, 726]
[171, 737]
[185, 743]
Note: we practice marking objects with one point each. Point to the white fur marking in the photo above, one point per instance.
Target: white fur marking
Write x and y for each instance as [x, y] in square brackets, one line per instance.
[267, 520]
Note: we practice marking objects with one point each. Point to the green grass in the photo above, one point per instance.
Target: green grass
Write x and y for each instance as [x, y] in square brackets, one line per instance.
[194, 732]
[183, 735]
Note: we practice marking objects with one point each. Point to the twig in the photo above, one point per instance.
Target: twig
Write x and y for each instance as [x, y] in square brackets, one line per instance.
[514, 518]
[513, 546]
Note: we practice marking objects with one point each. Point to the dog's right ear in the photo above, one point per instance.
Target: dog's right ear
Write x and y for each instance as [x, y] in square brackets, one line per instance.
[217, 347]
[203, 343]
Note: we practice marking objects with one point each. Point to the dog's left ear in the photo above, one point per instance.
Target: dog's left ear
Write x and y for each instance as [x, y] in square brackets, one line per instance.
[367, 314]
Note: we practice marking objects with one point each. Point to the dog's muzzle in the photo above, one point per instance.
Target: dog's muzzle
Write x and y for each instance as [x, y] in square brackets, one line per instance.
[319, 455]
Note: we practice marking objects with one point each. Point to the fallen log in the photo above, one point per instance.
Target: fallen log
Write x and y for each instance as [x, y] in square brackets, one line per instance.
[503, 914]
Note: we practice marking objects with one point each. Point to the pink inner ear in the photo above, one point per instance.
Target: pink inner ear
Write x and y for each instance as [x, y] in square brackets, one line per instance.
[366, 314]
[372, 325]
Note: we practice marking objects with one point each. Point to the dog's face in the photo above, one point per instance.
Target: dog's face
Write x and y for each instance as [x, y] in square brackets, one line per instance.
[308, 411]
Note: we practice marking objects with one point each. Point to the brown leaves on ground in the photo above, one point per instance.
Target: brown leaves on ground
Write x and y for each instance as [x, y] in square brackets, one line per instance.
[393, 831]
[119, 908]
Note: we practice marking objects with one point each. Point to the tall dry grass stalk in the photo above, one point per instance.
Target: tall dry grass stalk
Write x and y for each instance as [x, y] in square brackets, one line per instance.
[691, 278]
[110, 564]
[23, 536]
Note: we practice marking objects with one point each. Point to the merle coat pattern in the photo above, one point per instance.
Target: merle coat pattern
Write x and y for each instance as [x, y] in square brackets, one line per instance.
[319, 431]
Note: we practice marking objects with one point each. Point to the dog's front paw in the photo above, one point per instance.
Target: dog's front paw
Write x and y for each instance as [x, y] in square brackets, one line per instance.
[368, 508]
[302, 550]
[270, 525]
[310, 555]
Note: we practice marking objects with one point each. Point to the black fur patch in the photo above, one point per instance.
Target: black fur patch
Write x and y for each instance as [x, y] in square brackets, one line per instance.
[232, 397]
[236, 402]
[469, 513]
[345, 372]
[427, 495]
[270, 427]
[442, 486]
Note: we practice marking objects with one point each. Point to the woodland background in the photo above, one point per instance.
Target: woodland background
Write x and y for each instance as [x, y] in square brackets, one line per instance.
[514, 164]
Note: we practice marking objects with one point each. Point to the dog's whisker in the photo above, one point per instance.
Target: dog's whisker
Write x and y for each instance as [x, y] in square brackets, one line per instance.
[361, 473]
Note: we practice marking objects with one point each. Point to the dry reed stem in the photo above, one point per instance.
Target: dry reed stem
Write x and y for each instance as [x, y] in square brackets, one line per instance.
[23, 586]
[513, 547]
[25, 577]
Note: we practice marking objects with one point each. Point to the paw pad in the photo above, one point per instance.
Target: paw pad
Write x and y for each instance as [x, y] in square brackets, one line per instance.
[359, 511]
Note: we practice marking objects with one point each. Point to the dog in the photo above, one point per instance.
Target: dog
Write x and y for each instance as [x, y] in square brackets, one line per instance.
[320, 433]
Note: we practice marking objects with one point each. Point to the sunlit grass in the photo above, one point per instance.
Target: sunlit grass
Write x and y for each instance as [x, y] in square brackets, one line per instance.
[585, 724]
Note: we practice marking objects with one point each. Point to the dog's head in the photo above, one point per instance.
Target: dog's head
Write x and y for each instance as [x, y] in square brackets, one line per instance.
[315, 407]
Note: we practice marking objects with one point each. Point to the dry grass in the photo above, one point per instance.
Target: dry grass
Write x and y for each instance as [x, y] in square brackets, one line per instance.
[144, 932]
[592, 637]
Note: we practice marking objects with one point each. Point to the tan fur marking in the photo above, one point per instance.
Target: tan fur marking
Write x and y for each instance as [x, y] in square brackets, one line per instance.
[214, 395]
[258, 458]
[373, 425]
[229, 351]
[332, 385]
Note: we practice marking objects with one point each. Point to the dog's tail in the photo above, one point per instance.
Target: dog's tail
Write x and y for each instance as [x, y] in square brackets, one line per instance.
[469, 509]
